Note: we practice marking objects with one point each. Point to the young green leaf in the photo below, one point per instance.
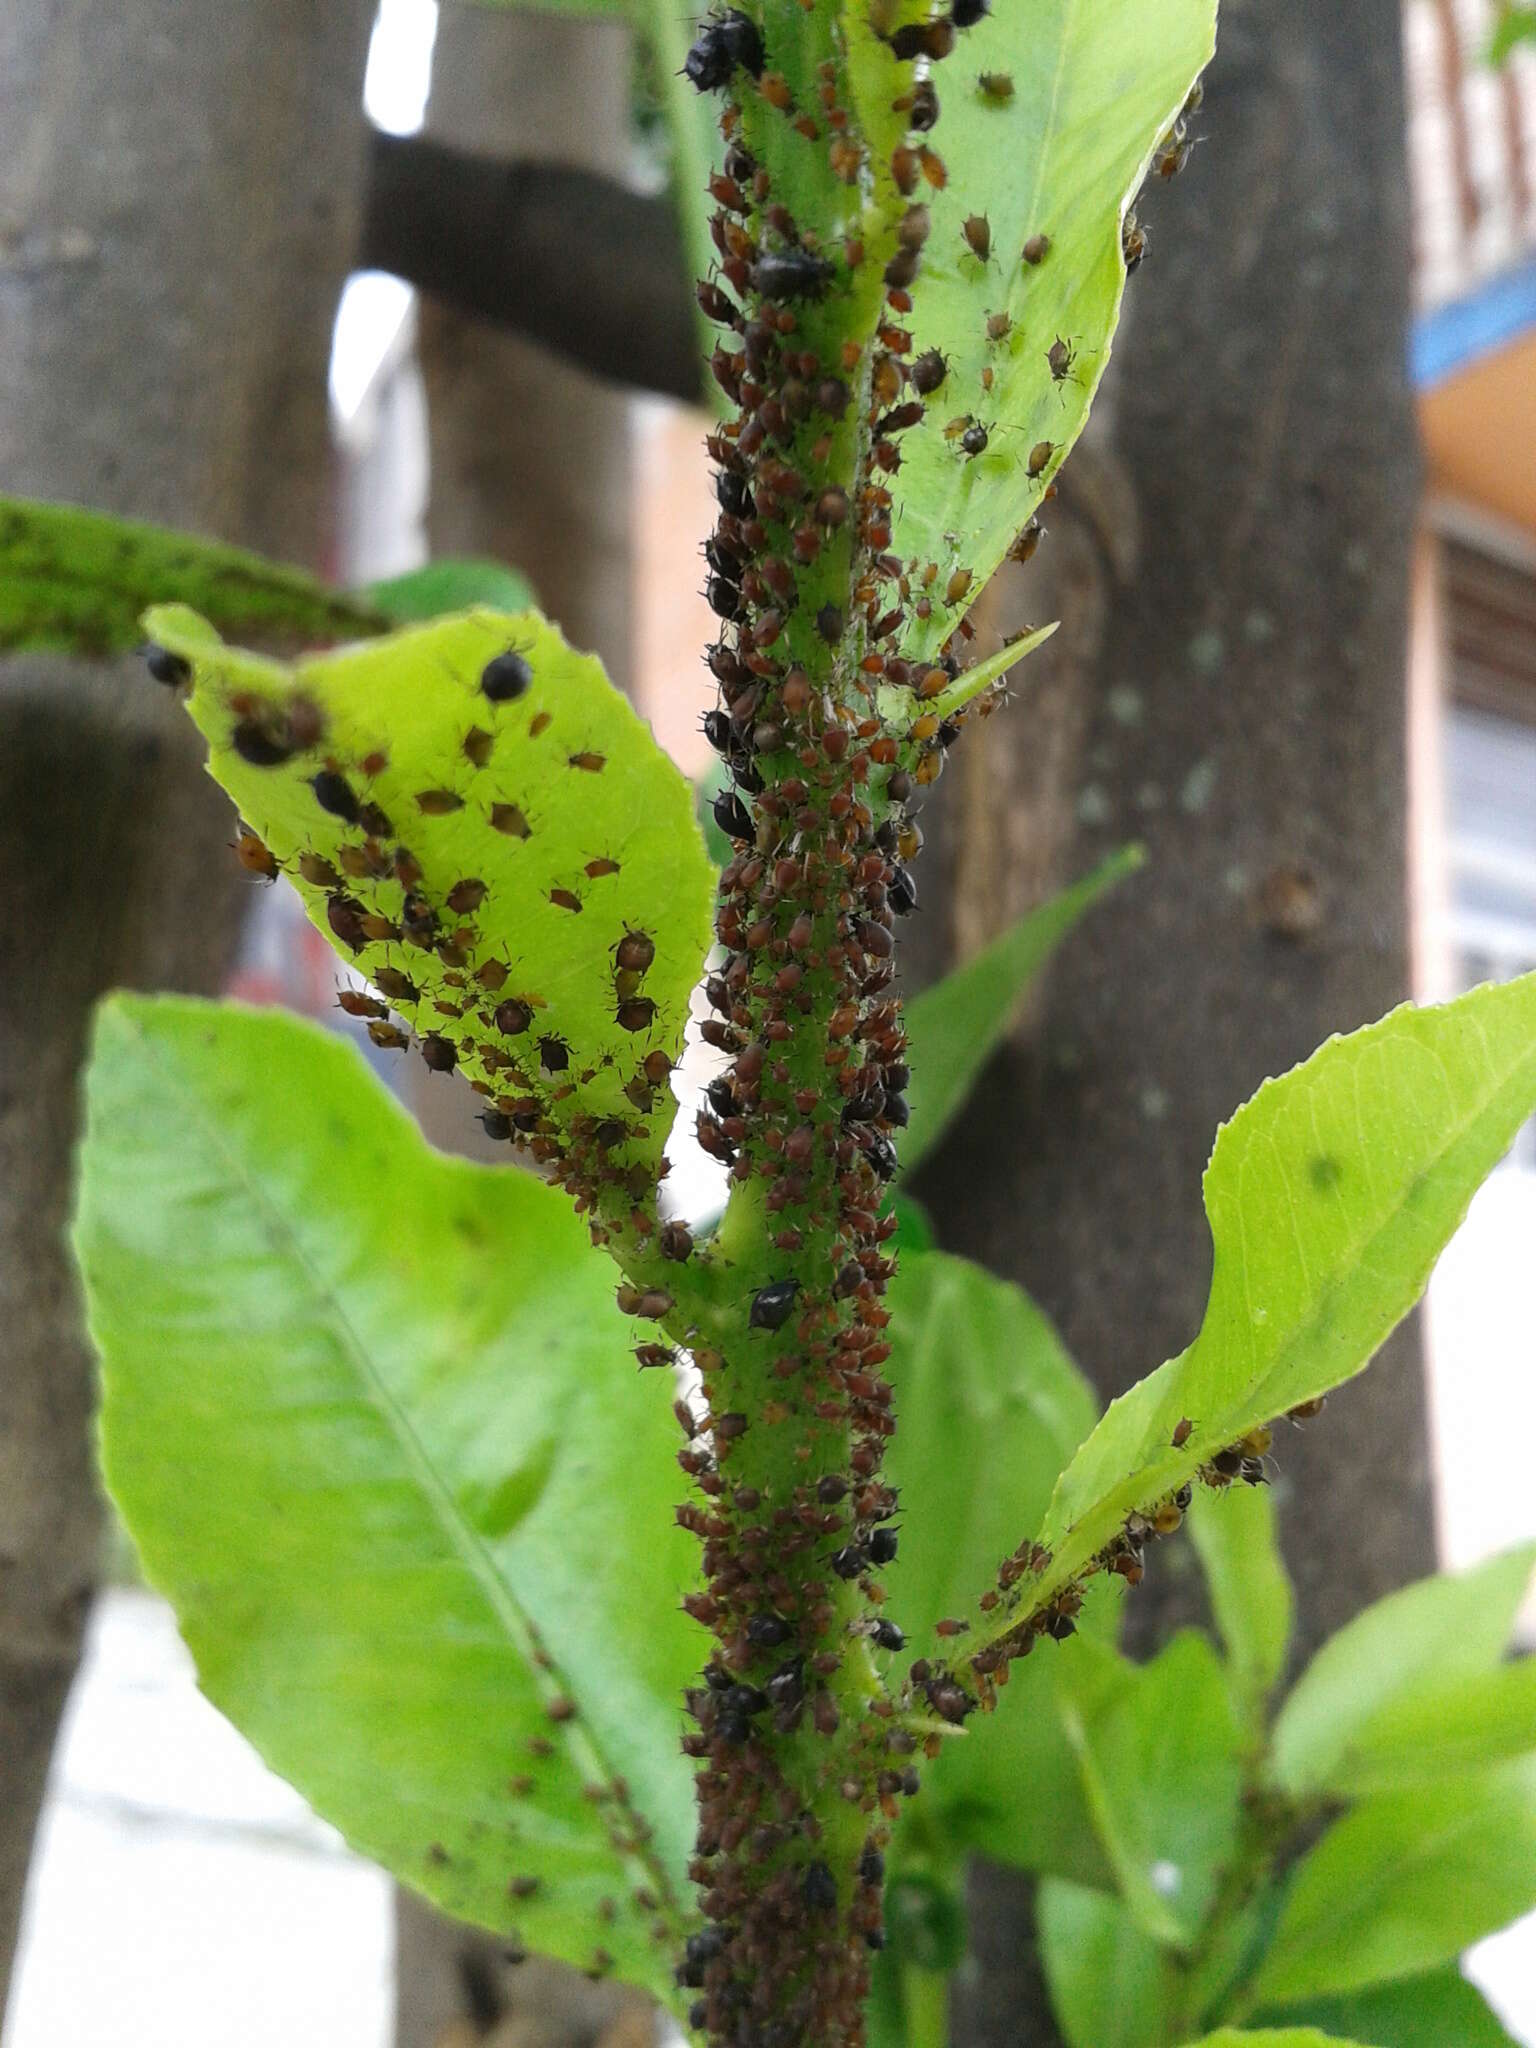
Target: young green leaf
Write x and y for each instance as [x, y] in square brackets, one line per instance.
[1330, 1196]
[1404, 1882]
[1438, 2010]
[452, 585]
[1250, 1592]
[1109, 1981]
[1400, 1657]
[1045, 161]
[368, 1416]
[76, 582]
[1158, 1748]
[1516, 25]
[991, 1409]
[954, 1028]
[481, 825]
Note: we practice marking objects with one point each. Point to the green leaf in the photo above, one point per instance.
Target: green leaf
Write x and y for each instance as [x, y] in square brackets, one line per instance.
[543, 827]
[1158, 1748]
[991, 1409]
[1401, 1654]
[1330, 1195]
[1234, 1536]
[1461, 1725]
[1273, 2037]
[1515, 25]
[368, 1414]
[452, 585]
[1095, 84]
[1439, 2010]
[1405, 1882]
[1109, 1982]
[954, 1028]
[76, 582]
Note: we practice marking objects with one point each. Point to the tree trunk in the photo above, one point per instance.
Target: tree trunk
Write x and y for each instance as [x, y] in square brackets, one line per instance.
[179, 199]
[1240, 708]
[530, 463]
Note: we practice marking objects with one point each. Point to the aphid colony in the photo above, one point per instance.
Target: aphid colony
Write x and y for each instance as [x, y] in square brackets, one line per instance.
[786, 1448]
[413, 929]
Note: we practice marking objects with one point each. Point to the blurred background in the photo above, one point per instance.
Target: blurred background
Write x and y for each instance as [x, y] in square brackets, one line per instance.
[1296, 556]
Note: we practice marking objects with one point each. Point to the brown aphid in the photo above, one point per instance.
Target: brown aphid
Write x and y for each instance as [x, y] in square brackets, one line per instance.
[510, 819]
[977, 230]
[593, 764]
[465, 896]
[596, 869]
[438, 803]
[538, 722]
[1027, 542]
[317, 872]
[996, 86]
[356, 1004]
[407, 867]
[1181, 1432]
[491, 974]
[563, 899]
[440, 1053]
[477, 744]
[928, 372]
[397, 986]
[255, 857]
[635, 952]
[999, 326]
[1307, 1411]
[389, 1037]
[637, 1014]
[1037, 248]
[1060, 357]
[1040, 456]
[513, 1017]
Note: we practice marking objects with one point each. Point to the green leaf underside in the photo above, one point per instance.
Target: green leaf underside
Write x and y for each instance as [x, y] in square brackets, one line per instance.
[1108, 1980]
[954, 1027]
[1330, 1195]
[991, 1409]
[73, 581]
[1438, 2010]
[450, 586]
[368, 1415]
[1374, 1689]
[578, 827]
[1234, 1536]
[1405, 1882]
[1095, 85]
[1157, 1746]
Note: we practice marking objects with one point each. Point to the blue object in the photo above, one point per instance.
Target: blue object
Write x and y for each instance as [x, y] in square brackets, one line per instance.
[1454, 335]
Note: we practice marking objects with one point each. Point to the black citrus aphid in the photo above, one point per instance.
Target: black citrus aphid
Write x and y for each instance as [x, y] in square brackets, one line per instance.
[513, 1017]
[505, 678]
[723, 43]
[819, 1888]
[901, 892]
[974, 439]
[717, 730]
[966, 13]
[495, 1124]
[772, 1305]
[882, 1546]
[852, 1559]
[335, 794]
[888, 1635]
[732, 815]
[897, 1111]
[258, 746]
[871, 1867]
[554, 1055]
[171, 669]
[767, 1631]
[637, 1014]
[791, 274]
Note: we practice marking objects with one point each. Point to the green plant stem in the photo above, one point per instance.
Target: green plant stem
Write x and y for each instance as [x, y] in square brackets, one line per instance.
[1197, 1998]
[925, 2003]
